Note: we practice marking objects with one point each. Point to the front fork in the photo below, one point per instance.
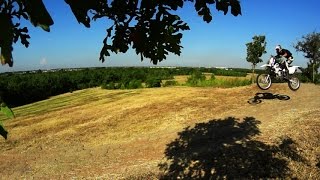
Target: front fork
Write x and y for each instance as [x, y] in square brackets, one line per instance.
[267, 77]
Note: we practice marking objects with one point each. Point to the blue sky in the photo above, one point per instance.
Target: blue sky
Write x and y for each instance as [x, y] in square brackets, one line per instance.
[219, 43]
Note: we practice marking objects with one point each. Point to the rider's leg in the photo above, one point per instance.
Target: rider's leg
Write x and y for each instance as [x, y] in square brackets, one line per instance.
[284, 66]
[290, 60]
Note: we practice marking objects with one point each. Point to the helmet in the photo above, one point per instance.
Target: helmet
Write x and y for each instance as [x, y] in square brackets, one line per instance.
[278, 47]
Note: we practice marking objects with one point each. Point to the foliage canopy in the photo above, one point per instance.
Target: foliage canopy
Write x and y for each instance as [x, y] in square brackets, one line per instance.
[309, 45]
[256, 49]
[150, 27]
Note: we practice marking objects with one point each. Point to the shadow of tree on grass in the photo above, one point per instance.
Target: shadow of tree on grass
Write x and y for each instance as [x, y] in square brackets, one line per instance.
[221, 149]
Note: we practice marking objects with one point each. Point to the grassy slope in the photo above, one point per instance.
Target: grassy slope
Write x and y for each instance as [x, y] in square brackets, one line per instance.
[112, 134]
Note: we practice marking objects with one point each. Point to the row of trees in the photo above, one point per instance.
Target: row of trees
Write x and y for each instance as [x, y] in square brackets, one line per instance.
[25, 87]
[309, 45]
[22, 88]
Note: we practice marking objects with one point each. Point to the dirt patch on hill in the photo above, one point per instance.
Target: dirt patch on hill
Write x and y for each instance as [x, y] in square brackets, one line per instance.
[177, 132]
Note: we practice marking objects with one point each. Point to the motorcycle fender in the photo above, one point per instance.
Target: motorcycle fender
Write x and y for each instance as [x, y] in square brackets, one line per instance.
[265, 65]
[292, 69]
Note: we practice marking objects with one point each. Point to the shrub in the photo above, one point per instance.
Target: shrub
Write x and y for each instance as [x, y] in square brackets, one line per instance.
[213, 77]
[103, 86]
[134, 84]
[122, 86]
[196, 78]
[153, 82]
[109, 85]
[303, 78]
[170, 83]
[82, 86]
[229, 72]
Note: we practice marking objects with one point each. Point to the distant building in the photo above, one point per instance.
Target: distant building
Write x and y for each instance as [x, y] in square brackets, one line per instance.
[222, 68]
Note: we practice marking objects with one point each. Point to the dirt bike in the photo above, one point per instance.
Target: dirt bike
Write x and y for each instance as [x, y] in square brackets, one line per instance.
[275, 72]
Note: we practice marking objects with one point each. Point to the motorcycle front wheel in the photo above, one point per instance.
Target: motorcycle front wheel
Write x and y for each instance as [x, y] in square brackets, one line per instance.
[293, 83]
[264, 81]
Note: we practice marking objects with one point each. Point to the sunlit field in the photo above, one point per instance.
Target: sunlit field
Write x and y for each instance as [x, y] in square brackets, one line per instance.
[116, 134]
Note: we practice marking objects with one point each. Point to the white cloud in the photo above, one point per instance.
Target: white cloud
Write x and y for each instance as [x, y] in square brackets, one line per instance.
[43, 61]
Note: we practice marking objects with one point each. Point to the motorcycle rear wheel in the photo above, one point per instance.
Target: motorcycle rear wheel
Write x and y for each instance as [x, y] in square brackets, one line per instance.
[264, 81]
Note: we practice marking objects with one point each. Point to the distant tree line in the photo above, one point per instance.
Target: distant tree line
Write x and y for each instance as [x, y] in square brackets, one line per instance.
[22, 88]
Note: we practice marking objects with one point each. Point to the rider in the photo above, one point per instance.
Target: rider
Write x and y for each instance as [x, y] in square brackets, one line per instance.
[283, 56]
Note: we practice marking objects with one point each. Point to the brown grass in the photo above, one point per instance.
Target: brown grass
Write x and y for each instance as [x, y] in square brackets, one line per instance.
[114, 134]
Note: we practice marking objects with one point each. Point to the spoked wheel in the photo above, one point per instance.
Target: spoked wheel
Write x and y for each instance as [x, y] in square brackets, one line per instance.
[293, 83]
[264, 81]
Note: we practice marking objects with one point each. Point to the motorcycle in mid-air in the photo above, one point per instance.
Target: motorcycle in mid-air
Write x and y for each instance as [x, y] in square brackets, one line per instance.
[275, 72]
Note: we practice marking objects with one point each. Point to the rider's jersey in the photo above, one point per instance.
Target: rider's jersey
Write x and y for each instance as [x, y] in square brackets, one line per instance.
[280, 58]
[283, 52]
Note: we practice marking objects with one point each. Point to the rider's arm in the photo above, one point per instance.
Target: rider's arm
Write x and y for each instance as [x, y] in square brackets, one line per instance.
[285, 54]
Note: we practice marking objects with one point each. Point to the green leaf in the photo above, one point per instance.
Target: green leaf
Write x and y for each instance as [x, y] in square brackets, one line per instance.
[45, 27]
[171, 29]
[6, 39]
[222, 6]
[235, 7]
[38, 14]
[207, 18]
[7, 111]
[80, 9]
[109, 30]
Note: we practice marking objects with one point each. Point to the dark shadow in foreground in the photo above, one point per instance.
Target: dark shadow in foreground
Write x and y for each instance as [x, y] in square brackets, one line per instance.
[3, 132]
[257, 99]
[226, 149]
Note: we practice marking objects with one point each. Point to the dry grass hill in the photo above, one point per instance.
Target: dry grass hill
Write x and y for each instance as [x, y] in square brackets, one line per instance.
[166, 133]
